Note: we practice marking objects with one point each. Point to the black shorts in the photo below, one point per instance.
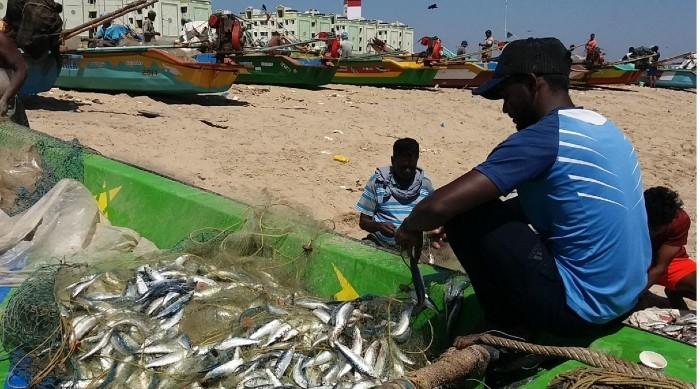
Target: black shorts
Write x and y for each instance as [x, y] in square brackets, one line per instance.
[516, 279]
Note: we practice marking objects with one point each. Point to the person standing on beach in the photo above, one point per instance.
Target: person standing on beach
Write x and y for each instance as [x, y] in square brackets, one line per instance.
[653, 69]
[671, 266]
[591, 46]
[487, 47]
[345, 45]
[14, 69]
[149, 30]
[569, 253]
[391, 194]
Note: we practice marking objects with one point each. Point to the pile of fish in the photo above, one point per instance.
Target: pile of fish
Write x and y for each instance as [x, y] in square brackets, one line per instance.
[134, 337]
[680, 325]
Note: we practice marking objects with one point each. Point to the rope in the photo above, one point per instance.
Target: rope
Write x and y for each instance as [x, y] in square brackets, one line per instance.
[581, 354]
[585, 378]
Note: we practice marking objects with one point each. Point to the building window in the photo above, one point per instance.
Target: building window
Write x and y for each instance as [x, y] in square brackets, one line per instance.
[92, 14]
[91, 1]
[139, 23]
[360, 30]
[255, 23]
[313, 35]
[292, 21]
[183, 10]
[255, 33]
[263, 33]
[286, 22]
[313, 24]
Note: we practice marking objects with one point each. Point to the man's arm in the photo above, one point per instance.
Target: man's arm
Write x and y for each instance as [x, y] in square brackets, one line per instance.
[369, 225]
[663, 258]
[15, 62]
[459, 196]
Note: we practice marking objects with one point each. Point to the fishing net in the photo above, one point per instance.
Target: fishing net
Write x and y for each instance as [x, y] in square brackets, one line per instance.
[235, 281]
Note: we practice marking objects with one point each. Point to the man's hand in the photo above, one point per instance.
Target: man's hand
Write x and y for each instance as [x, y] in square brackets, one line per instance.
[438, 237]
[387, 229]
[409, 240]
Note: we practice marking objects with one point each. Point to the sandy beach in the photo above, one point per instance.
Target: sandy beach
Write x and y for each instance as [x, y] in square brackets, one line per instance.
[257, 139]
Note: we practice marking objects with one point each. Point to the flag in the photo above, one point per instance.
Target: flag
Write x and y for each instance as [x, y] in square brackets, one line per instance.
[264, 8]
[508, 35]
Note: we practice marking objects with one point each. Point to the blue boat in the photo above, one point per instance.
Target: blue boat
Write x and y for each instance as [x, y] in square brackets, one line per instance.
[677, 78]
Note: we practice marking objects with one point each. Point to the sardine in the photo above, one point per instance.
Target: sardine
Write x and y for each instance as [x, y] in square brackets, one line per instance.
[168, 359]
[356, 361]
[230, 343]
[310, 303]
[278, 334]
[366, 384]
[155, 305]
[141, 286]
[402, 357]
[102, 343]
[283, 363]
[81, 326]
[404, 322]
[322, 315]
[175, 306]
[331, 375]
[265, 329]
[370, 356]
[172, 321]
[382, 354]
[298, 374]
[225, 369]
[319, 359]
[276, 311]
[341, 320]
[273, 379]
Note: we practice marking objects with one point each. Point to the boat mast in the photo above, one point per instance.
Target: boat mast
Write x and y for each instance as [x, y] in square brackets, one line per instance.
[505, 21]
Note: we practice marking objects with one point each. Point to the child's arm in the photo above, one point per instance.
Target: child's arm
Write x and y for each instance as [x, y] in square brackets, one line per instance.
[663, 258]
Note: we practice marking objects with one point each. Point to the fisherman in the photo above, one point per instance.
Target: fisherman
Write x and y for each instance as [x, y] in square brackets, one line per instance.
[569, 251]
[391, 194]
[630, 54]
[433, 50]
[653, 69]
[462, 49]
[487, 47]
[111, 35]
[345, 45]
[671, 265]
[591, 47]
[149, 30]
[276, 40]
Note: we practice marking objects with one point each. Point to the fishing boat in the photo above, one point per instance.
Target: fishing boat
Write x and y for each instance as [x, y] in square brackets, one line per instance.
[142, 70]
[384, 72]
[462, 74]
[674, 78]
[270, 69]
[337, 267]
[621, 74]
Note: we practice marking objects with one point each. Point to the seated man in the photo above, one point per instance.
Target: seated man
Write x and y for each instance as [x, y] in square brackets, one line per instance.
[579, 186]
[668, 226]
[111, 35]
[392, 192]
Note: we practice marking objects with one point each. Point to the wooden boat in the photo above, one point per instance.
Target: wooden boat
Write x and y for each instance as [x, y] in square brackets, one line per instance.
[268, 69]
[384, 72]
[462, 74]
[142, 70]
[623, 74]
[337, 266]
[674, 78]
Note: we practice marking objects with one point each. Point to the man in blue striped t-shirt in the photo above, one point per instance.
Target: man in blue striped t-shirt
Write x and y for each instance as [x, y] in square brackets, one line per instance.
[392, 192]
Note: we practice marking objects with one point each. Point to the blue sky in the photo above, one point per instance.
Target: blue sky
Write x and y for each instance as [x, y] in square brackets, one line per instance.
[618, 24]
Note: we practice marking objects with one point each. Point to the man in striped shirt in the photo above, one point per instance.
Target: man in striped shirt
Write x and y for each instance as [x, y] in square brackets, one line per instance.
[392, 192]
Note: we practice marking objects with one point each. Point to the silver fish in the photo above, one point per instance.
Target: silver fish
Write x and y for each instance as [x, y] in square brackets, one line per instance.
[341, 320]
[366, 384]
[124, 370]
[278, 334]
[232, 342]
[81, 326]
[82, 280]
[331, 375]
[404, 323]
[153, 274]
[322, 315]
[225, 369]
[298, 374]
[265, 329]
[203, 280]
[102, 343]
[175, 306]
[402, 357]
[371, 353]
[273, 379]
[283, 362]
[154, 305]
[173, 320]
[319, 359]
[163, 348]
[277, 311]
[382, 355]
[167, 359]
[320, 339]
[310, 303]
[356, 361]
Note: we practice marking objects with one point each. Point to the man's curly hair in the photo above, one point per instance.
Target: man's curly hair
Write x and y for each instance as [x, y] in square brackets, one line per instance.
[662, 204]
